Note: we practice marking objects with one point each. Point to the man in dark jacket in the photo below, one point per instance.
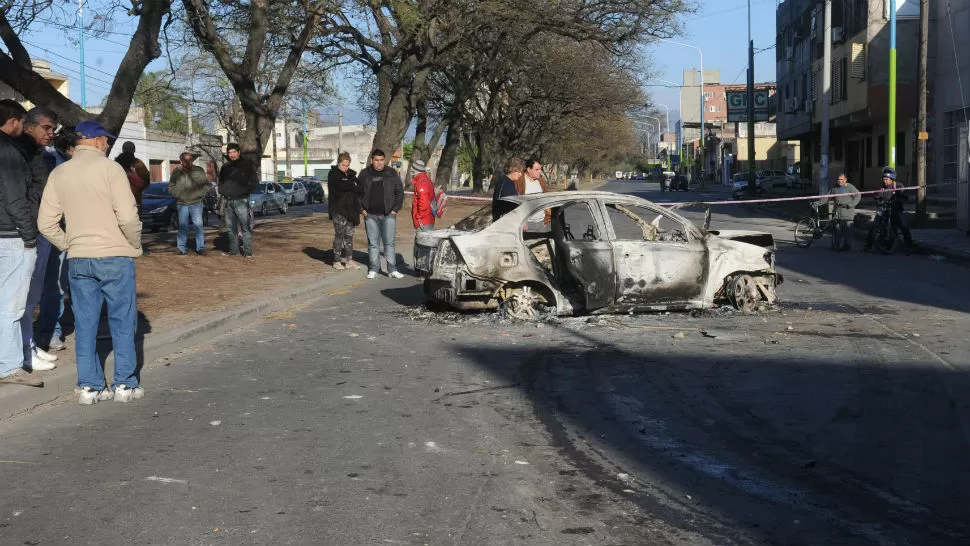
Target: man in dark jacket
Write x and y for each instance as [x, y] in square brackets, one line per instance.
[38, 132]
[18, 237]
[188, 186]
[237, 178]
[512, 183]
[382, 199]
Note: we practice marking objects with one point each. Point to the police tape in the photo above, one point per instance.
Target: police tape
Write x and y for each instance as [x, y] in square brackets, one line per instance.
[682, 204]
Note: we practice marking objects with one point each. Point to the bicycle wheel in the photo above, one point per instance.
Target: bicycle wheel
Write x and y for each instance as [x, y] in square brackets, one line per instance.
[805, 232]
[885, 241]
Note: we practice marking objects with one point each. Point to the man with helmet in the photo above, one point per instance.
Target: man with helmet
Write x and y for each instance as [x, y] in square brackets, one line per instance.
[896, 199]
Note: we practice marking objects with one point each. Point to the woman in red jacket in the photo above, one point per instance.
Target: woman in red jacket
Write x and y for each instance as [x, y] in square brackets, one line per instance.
[421, 213]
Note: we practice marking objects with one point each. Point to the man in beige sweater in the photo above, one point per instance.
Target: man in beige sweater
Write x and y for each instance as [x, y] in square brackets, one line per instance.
[103, 236]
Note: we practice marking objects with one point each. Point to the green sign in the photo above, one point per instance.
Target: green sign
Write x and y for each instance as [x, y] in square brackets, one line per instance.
[737, 105]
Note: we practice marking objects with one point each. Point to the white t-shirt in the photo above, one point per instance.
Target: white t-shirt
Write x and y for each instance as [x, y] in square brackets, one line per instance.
[533, 186]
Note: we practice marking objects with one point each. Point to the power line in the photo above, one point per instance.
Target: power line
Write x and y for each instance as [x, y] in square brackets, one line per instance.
[49, 52]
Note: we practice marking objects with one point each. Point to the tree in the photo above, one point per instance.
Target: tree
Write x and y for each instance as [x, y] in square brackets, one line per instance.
[16, 69]
[251, 42]
[162, 102]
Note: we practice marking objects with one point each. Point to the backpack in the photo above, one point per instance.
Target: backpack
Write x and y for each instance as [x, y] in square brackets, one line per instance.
[439, 201]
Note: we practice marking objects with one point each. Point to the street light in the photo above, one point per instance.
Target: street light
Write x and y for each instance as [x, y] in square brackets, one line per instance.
[647, 134]
[666, 115]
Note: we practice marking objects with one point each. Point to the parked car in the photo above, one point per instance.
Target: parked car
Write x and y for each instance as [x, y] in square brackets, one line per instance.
[316, 190]
[740, 185]
[773, 179]
[618, 175]
[297, 192]
[158, 208]
[602, 252]
[268, 196]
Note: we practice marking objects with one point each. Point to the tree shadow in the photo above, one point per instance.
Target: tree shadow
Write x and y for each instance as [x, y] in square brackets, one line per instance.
[748, 449]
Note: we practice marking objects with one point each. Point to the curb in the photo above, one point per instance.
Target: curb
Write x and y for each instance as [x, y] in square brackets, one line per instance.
[59, 383]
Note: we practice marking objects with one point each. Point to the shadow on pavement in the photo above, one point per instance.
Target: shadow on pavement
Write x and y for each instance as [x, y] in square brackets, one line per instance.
[748, 449]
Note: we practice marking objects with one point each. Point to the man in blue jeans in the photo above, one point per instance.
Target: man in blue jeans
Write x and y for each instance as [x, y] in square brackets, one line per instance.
[102, 239]
[382, 199]
[188, 185]
[18, 238]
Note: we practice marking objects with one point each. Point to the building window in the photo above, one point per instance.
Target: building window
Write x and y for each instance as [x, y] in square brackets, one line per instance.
[868, 152]
[712, 108]
[900, 149]
[951, 143]
[881, 152]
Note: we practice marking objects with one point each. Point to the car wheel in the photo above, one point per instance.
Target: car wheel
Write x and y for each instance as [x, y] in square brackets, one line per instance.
[307, 200]
[263, 210]
[284, 208]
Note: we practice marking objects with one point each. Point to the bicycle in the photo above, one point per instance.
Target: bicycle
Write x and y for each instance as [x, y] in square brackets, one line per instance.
[887, 237]
[813, 227]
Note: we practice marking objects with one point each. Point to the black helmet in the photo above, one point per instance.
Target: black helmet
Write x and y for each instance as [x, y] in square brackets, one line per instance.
[889, 172]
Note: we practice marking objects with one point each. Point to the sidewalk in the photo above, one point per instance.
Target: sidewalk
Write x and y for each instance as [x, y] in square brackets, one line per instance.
[186, 301]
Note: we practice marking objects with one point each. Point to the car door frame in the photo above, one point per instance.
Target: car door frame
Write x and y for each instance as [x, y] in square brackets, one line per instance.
[658, 274]
[589, 262]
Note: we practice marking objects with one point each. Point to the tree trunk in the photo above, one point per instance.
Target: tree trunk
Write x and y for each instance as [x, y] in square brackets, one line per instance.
[448, 155]
[397, 106]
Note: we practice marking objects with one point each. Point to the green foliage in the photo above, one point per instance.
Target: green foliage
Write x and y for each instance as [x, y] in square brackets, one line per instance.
[408, 151]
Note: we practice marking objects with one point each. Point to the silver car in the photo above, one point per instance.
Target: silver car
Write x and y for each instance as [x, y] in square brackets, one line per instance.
[601, 253]
[269, 196]
[297, 192]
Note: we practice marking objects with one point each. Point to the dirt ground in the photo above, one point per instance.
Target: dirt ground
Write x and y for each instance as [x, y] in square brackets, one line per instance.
[289, 251]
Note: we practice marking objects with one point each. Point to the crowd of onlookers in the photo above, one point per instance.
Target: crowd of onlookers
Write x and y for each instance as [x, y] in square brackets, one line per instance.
[69, 224]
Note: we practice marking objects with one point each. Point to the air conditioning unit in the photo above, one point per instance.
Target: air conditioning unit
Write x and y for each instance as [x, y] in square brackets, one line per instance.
[838, 35]
[791, 105]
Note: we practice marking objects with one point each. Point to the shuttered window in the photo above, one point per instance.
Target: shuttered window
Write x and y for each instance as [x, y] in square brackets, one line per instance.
[859, 61]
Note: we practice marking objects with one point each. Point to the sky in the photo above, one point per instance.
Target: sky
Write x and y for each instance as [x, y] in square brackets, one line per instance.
[719, 29]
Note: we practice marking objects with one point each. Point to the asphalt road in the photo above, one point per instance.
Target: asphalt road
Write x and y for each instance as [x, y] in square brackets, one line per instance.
[361, 418]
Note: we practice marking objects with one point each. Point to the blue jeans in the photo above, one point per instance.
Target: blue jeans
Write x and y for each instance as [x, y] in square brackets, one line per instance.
[16, 268]
[381, 228]
[237, 220]
[52, 299]
[34, 292]
[94, 281]
[195, 213]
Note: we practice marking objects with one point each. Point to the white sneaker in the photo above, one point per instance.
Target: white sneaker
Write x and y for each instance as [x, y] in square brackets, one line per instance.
[89, 396]
[396, 275]
[38, 364]
[124, 393]
[44, 355]
[372, 274]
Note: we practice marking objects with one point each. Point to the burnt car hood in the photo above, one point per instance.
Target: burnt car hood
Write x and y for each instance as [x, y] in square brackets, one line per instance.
[757, 238]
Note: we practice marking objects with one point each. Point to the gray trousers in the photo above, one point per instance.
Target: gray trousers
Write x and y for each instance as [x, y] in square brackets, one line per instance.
[343, 239]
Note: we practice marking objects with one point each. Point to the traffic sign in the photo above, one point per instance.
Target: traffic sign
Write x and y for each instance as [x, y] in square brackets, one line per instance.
[737, 105]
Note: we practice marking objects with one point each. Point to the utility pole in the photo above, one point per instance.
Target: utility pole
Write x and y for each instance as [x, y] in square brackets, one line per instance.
[188, 119]
[823, 171]
[276, 161]
[892, 83]
[286, 135]
[340, 131]
[306, 157]
[924, 31]
[80, 31]
[752, 188]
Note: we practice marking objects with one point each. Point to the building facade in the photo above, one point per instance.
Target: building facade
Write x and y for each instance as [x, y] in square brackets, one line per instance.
[323, 145]
[949, 76]
[859, 100]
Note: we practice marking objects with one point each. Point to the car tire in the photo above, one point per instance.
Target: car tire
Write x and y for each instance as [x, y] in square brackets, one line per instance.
[263, 210]
[284, 208]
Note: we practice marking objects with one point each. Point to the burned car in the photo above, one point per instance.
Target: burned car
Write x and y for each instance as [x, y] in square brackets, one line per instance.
[601, 253]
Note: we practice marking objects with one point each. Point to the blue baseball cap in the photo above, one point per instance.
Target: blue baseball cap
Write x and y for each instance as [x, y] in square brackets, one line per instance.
[91, 129]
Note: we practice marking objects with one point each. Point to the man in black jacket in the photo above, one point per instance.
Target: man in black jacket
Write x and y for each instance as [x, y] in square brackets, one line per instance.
[237, 178]
[18, 237]
[37, 135]
[382, 199]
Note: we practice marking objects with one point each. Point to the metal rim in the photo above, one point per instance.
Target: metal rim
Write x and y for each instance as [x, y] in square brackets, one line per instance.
[744, 293]
[522, 304]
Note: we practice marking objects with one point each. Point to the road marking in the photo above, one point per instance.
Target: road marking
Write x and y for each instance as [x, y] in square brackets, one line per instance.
[164, 480]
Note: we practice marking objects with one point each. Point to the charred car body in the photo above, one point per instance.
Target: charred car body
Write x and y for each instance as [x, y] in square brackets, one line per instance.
[602, 252]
